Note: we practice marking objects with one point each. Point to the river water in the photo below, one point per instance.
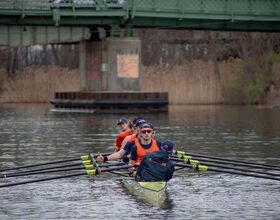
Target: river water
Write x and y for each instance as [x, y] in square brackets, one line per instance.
[31, 134]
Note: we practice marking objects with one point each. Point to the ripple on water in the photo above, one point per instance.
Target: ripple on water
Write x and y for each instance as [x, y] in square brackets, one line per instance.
[30, 136]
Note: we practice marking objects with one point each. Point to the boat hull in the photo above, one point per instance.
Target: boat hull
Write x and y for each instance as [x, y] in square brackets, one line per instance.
[153, 193]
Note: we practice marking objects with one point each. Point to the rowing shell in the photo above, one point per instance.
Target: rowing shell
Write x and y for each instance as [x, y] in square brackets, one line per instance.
[153, 193]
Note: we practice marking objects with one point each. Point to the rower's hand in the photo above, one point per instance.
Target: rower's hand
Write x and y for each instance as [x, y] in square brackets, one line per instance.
[116, 148]
[100, 158]
[132, 171]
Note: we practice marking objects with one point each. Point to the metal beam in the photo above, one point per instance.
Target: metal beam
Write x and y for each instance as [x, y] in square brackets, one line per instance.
[15, 36]
[136, 13]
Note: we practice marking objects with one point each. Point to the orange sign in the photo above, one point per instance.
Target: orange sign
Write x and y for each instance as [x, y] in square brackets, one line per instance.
[128, 65]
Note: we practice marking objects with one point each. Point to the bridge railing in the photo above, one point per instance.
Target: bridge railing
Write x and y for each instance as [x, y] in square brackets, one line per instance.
[206, 7]
[62, 4]
[25, 4]
[162, 7]
[146, 12]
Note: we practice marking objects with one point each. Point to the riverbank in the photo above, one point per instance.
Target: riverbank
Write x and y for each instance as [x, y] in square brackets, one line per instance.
[191, 83]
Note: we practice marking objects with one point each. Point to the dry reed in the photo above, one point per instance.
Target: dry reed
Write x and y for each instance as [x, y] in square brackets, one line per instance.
[38, 84]
[3, 78]
[194, 82]
[191, 83]
[197, 82]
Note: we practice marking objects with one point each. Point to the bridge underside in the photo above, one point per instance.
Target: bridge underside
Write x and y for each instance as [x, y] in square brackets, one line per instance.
[20, 36]
[196, 24]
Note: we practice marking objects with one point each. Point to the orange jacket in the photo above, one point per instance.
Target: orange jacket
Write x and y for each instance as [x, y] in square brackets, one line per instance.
[120, 138]
[133, 137]
[141, 152]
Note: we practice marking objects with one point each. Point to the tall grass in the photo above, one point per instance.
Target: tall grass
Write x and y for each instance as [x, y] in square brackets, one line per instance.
[3, 78]
[191, 83]
[38, 84]
[196, 82]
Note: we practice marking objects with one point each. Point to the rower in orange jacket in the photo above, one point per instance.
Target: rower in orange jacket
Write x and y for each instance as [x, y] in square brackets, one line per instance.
[125, 131]
[144, 144]
[125, 150]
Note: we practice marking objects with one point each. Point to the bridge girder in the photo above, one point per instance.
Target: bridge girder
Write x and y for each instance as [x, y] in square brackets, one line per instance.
[249, 15]
[18, 36]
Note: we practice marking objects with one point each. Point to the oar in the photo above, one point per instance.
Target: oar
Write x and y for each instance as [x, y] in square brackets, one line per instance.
[126, 174]
[231, 163]
[85, 162]
[87, 167]
[87, 172]
[97, 166]
[83, 157]
[192, 162]
[228, 161]
[54, 170]
[205, 168]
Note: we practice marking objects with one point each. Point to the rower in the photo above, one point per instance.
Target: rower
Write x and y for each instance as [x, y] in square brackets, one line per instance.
[144, 144]
[125, 131]
[129, 141]
[156, 166]
[137, 122]
[125, 150]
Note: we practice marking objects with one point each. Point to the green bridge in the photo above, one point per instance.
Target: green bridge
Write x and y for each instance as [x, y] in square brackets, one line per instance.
[27, 22]
[257, 15]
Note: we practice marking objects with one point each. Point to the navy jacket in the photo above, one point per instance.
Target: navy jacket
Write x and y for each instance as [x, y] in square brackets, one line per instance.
[155, 166]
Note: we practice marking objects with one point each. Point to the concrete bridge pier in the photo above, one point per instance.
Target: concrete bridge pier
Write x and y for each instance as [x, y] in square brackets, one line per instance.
[110, 78]
[112, 64]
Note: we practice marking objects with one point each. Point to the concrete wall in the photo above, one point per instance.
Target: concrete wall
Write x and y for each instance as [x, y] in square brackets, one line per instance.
[90, 64]
[110, 65]
[124, 60]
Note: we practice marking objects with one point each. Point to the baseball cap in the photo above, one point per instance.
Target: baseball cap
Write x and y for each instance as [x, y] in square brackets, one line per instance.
[139, 122]
[146, 125]
[121, 121]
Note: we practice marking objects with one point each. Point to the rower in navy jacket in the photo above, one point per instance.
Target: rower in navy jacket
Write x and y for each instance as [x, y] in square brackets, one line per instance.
[156, 166]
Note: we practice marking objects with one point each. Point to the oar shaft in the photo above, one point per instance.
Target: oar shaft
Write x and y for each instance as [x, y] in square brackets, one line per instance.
[50, 163]
[120, 174]
[41, 164]
[35, 171]
[231, 160]
[55, 169]
[230, 167]
[90, 172]
[44, 179]
[41, 172]
[244, 174]
[115, 168]
[232, 172]
[243, 164]
[41, 169]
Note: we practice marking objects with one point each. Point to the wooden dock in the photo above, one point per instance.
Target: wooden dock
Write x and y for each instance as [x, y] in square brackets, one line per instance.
[110, 102]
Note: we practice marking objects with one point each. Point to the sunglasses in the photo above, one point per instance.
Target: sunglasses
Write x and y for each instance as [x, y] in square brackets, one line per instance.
[146, 131]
